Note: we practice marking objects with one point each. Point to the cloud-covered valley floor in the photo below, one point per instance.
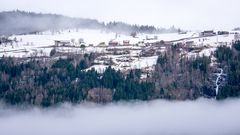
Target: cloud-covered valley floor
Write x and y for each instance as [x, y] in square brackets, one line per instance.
[136, 118]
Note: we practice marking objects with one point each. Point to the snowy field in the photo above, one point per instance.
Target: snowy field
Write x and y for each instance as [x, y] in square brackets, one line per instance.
[95, 37]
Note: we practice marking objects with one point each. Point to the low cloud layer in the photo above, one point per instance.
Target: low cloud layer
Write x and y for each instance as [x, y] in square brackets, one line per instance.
[138, 118]
[187, 14]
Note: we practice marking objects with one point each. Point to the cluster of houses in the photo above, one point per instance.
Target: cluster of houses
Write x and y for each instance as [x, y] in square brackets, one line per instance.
[210, 33]
[6, 40]
[115, 42]
[71, 42]
[148, 41]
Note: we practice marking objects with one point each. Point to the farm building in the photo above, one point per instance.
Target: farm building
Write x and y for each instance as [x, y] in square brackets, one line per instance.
[113, 43]
[126, 42]
[208, 33]
[189, 43]
[223, 33]
[62, 43]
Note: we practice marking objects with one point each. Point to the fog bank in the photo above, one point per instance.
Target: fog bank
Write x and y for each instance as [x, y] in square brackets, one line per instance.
[139, 118]
[186, 14]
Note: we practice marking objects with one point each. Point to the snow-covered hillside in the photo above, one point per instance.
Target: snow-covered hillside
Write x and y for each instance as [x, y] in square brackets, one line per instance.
[42, 43]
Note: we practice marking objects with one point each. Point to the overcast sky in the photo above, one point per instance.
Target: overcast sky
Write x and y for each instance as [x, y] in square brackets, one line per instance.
[187, 14]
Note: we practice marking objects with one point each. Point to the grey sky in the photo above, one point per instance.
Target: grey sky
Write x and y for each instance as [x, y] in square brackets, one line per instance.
[187, 14]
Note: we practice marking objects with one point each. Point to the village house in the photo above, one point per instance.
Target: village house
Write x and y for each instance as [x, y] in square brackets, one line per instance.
[207, 33]
[102, 44]
[147, 52]
[126, 42]
[141, 44]
[62, 43]
[90, 45]
[161, 43]
[223, 33]
[81, 41]
[113, 43]
[189, 43]
[151, 37]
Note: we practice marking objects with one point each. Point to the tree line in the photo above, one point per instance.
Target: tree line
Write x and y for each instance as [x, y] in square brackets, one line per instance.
[36, 84]
[42, 22]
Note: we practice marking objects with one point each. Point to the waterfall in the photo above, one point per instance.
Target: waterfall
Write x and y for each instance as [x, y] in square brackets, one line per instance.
[218, 80]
